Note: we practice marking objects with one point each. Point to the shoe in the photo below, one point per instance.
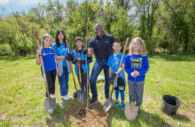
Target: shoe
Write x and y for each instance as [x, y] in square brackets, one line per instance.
[66, 97]
[121, 106]
[116, 102]
[92, 101]
[52, 96]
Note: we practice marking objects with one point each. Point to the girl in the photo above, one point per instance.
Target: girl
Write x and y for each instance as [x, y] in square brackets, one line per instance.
[136, 65]
[49, 63]
[61, 51]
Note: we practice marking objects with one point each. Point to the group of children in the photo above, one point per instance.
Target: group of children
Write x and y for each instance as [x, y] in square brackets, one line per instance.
[56, 59]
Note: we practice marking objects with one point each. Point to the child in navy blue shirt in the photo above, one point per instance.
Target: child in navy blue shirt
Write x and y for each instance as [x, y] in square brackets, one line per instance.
[136, 65]
[79, 59]
[114, 69]
[49, 63]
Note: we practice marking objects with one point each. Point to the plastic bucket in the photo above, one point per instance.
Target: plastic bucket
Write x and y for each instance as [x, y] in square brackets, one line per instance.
[170, 104]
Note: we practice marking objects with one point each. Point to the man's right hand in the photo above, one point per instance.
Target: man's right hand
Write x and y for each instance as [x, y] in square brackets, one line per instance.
[90, 52]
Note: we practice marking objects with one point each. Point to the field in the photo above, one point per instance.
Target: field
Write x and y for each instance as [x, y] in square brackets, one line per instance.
[22, 94]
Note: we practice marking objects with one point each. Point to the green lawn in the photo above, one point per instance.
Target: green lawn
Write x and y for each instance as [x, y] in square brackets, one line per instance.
[22, 94]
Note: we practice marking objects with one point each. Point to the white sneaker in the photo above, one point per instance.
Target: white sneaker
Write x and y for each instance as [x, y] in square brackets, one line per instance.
[66, 97]
[52, 96]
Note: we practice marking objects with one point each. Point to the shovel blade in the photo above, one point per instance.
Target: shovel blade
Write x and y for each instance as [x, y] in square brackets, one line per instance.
[81, 96]
[107, 105]
[48, 105]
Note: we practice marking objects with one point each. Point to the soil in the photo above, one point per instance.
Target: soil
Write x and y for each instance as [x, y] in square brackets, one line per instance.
[83, 117]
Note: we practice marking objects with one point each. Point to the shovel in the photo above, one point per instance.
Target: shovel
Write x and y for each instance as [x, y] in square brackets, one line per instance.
[82, 95]
[108, 104]
[50, 103]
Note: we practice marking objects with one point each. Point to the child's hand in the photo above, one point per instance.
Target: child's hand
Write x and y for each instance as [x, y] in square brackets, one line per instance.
[57, 72]
[133, 74]
[39, 51]
[137, 73]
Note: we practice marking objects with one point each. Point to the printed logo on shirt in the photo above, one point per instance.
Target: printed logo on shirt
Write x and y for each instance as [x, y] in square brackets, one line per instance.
[136, 62]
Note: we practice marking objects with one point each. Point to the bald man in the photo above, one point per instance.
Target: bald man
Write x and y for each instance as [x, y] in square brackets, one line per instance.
[101, 45]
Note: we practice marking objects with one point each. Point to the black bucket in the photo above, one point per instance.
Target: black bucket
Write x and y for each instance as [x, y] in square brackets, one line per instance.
[170, 104]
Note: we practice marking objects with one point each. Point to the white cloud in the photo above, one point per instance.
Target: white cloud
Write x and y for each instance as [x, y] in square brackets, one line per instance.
[5, 1]
[22, 2]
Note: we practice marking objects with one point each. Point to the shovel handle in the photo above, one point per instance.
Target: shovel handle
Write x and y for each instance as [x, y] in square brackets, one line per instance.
[71, 67]
[79, 66]
[42, 64]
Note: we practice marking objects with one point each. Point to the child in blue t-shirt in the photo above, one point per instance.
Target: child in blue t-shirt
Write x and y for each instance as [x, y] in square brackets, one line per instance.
[61, 53]
[79, 59]
[49, 63]
[114, 69]
[136, 65]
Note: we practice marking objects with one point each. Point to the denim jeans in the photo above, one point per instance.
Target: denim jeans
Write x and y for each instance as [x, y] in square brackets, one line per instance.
[136, 90]
[63, 81]
[97, 68]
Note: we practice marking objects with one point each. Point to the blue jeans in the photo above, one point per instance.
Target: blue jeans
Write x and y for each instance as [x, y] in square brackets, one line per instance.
[136, 90]
[63, 81]
[97, 68]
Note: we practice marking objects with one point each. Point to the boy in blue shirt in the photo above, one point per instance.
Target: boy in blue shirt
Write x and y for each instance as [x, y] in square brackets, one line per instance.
[114, 69]
[79, 59]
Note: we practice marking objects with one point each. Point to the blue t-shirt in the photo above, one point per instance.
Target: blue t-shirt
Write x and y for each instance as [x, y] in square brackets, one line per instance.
[138, 63]
[48, 59]
[114, 61]
[61, 51]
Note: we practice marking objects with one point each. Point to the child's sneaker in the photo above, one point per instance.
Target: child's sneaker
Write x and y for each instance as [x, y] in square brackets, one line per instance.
[116, 102]
[121, 106]
[66, 97]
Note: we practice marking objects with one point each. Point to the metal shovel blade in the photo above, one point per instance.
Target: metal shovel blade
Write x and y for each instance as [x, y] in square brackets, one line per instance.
[48, 105]
[81, 96]
[107, 105]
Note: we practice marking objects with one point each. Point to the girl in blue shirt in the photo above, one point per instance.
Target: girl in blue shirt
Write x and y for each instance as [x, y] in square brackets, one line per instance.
[61, 53]
[49, 63]
[136, 65]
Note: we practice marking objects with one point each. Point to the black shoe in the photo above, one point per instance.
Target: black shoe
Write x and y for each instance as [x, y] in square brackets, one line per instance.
[92, 101]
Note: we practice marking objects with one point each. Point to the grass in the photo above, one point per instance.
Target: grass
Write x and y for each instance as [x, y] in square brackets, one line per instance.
[22, 93]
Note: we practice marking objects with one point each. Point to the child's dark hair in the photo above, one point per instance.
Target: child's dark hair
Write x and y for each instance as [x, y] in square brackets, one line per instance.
[57, 40]
[118, 42]
[78, 39]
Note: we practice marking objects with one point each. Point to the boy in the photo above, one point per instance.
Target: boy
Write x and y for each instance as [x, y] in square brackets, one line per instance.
[114, 69]
[79, 59]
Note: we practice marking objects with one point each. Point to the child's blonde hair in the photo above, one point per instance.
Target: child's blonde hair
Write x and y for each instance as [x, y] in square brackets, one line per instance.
[45, 36]
[142, 50]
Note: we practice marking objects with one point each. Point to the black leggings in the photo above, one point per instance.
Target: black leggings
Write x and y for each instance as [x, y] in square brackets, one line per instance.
[84, 81]
[51, 78]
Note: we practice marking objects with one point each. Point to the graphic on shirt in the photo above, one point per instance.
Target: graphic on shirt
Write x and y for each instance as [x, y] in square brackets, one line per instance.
[115, 63]
[136, 62]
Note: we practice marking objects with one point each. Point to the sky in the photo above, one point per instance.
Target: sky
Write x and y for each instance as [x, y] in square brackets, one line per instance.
[6, 6]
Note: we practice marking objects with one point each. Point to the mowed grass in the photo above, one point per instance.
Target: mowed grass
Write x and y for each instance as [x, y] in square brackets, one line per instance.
[22, 94]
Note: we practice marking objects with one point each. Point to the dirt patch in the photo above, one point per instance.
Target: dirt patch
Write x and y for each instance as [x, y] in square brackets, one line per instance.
[93, 116]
